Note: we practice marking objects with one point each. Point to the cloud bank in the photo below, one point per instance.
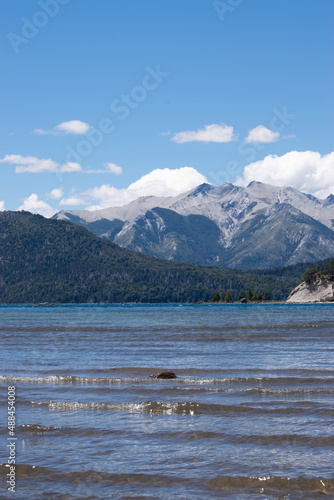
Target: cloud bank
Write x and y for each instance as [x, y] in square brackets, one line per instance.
[2, 206]
[306, 171]
[74, 127]
[159, 182]
[210, 133]
[262, 134]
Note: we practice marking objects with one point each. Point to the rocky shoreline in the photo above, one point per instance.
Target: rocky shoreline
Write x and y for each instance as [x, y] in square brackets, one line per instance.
[321, 290]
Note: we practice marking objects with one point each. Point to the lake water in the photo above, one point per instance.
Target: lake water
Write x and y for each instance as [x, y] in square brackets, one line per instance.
[250, 415]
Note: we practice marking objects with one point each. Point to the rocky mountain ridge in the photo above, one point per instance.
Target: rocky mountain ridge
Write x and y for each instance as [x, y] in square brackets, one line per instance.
[259, 226]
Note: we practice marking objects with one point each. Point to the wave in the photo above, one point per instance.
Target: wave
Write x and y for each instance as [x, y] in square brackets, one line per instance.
[187, 408]
[265, 483]
[74, 379]
[33, 428]
[55, 430]
[180, 436]
[298, 372]
[71, 379]
[25, 471]
[174, 389]
[261, 484]
[153, 407]
[261, 390]
[249, 439]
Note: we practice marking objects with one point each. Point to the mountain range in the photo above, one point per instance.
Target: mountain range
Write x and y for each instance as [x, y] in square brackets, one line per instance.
[46, 260]
[256, 227]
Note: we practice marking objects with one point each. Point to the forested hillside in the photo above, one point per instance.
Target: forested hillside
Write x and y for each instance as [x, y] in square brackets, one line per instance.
[48, 260]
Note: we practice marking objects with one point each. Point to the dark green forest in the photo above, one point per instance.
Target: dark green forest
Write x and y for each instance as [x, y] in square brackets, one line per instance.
[49, 260]
[322, 270]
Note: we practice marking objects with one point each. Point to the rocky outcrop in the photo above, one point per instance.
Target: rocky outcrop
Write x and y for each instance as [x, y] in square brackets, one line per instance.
[318, 291]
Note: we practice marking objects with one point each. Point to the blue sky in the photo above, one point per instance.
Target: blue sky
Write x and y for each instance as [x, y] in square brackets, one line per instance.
[97, 96]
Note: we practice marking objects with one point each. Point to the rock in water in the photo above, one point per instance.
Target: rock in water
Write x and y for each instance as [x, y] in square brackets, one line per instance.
[165, 374]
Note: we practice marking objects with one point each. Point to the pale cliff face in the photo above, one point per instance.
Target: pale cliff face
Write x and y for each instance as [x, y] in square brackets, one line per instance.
[313, 292]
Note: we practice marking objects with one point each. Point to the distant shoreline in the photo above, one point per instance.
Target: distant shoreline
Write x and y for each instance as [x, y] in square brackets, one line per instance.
[267, 302]
[87, 304]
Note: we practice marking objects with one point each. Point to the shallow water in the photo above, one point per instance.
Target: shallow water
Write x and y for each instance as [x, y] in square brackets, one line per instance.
[250, 415]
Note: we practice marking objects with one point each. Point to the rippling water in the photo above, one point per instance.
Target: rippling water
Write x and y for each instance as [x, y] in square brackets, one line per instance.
[250, 415]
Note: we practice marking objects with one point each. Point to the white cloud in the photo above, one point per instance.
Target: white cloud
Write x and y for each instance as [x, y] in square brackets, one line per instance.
[2, 206]
[31, 164]
[71, 166]
[34, 205]
[72, 200]
[159, 182]
[210, 133]
[262, 134]
[75, 127]
[109, 168]
[306, 171]
[289, 136]
[55, 194]
[113, 168]
[40, 131]
[95, 171]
